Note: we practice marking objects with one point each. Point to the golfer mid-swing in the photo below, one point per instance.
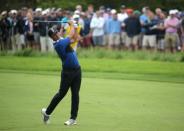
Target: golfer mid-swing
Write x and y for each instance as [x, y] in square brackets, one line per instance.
[70, 75]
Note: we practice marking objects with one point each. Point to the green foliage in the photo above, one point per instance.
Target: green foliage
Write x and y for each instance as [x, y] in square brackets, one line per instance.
[136, 4]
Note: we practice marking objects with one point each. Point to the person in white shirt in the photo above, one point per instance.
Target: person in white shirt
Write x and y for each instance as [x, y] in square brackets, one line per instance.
[121, 17]
[97, 28]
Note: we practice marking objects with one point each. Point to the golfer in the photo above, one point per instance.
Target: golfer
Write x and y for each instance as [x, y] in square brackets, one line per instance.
[70, 75]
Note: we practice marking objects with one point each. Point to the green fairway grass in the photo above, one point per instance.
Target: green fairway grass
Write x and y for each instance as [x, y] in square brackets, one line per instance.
[106, 104]
[116, 94]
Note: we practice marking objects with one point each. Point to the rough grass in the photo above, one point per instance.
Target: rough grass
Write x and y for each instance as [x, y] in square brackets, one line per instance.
[108, 54]
[94, 65]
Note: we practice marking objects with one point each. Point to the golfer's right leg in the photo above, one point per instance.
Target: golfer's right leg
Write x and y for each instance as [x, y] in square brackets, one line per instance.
[64, 86]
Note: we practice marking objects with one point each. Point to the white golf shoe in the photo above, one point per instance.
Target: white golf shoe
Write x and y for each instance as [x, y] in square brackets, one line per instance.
[70, 122]
[45, 116]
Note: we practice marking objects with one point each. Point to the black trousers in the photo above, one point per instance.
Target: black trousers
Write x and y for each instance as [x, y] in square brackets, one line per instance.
[70, 78]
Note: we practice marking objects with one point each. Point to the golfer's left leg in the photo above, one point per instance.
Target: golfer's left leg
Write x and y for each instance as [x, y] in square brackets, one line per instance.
[75, 88]
[64, 87]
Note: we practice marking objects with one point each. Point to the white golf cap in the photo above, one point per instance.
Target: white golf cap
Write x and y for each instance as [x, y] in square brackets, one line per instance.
[172, 12]
[76, 16]
[4, 12]
[44, 12]
[47, 10]
[13, 11]
[38, 9]
[113, 11]
[77, 12]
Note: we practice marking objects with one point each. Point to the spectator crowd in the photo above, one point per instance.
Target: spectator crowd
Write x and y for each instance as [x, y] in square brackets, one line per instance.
[122, 29]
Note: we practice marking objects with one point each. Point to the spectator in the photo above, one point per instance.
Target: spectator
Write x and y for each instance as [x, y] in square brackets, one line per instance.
[97, 25]
[53, 19]
[105, 13]
[114, 30]
[13, 31]
[21, 16]
[171, 25]
[79, 19]
[86, 31]
[149, 38]
[29, 31]
[45, 41]
[133, 29]
[160, 16]
[36, 33]
[100, 28]
[67, 15]
[5, 28]
[106, 27]
[59, 14]
[158, 12]
[121, 17]
[144, 19]
[182, 34]
[178, 42]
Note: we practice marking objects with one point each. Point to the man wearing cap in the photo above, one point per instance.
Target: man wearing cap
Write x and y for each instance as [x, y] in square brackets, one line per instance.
[14, 35]
[171, 26]
[70, 76]
[36, 29]
[133, 29]
[114, 30]
[121, 17]
[45, 41]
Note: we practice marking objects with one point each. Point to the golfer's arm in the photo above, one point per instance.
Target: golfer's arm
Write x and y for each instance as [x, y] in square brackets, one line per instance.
[73, 33]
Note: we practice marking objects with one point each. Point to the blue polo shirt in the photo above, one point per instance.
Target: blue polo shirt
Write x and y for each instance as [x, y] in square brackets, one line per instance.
[67, 55]
[114, 26]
